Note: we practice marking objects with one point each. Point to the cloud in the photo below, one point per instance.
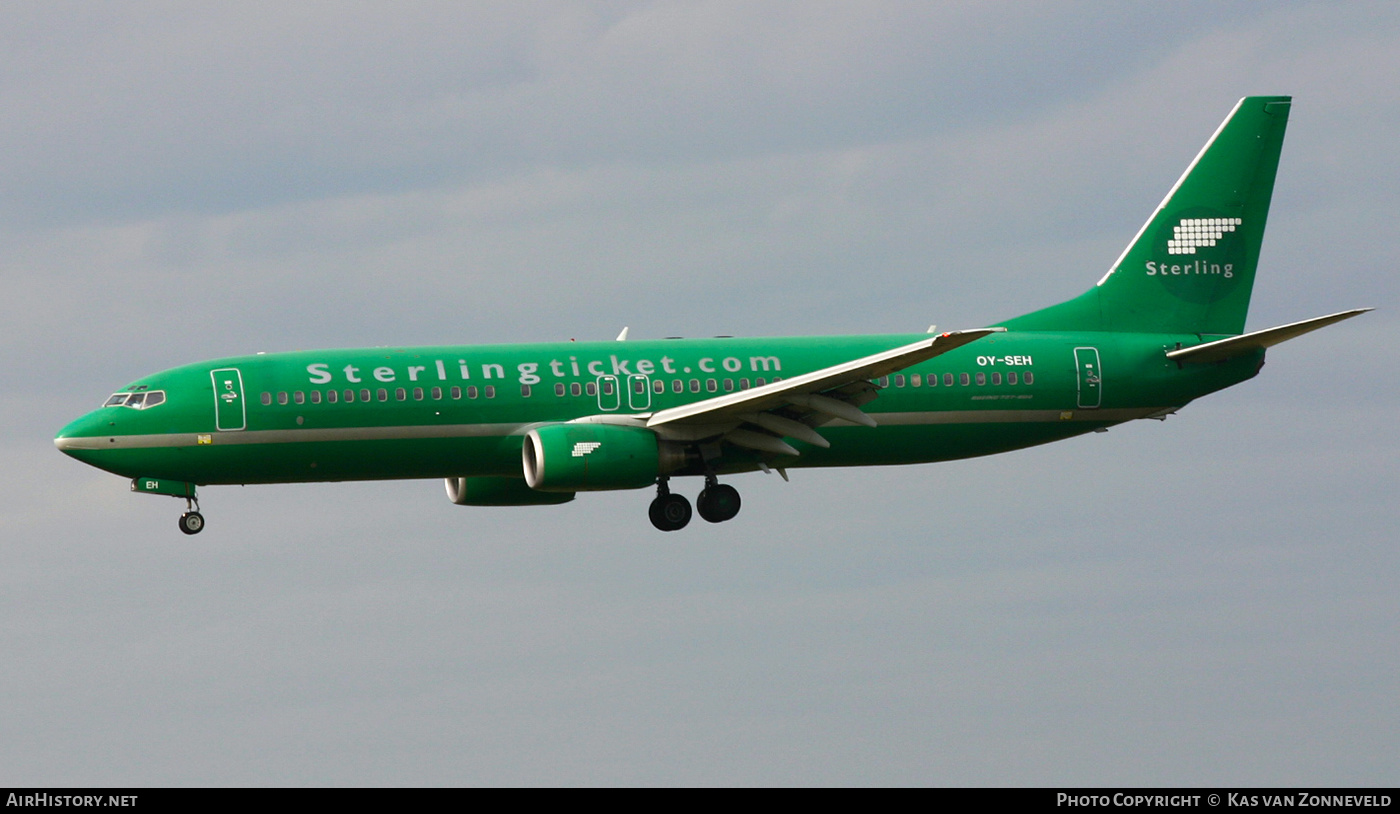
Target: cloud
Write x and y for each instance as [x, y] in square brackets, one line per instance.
[142, 113]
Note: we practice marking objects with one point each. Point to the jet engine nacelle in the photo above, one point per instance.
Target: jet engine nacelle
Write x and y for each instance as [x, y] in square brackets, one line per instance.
[596, 457]
[496, 491]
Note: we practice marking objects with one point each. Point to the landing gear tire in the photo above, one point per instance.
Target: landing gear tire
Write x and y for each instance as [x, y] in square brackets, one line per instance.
[191, 522]
[718, 502]
[670, 512]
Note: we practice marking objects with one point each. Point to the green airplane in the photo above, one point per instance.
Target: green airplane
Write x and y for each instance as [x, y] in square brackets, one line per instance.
[517, 425]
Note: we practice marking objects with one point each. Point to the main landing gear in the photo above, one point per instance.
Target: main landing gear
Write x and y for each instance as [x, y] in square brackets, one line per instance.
[192, 522]
[668, 512]
[717, 503]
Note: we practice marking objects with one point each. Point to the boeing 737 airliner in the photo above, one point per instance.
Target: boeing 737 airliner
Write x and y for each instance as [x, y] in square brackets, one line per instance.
[514, 425]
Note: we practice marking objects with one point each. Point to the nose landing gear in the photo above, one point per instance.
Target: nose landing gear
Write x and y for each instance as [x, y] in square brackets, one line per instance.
[192, 522]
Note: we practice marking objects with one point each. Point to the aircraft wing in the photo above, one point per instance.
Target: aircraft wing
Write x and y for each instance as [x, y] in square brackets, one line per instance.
[791, 407]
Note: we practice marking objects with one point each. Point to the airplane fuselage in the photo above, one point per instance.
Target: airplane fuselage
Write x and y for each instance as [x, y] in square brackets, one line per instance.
[454, 411]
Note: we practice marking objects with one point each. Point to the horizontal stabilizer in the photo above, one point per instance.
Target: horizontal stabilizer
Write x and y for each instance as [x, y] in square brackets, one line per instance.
[1238, 345]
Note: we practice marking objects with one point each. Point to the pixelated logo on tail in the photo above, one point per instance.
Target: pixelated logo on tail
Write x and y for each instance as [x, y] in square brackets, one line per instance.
[1198, 255]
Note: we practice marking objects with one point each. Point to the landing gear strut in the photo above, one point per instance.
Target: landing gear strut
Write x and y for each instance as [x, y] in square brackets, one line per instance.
[192, 522]
[718, 502]
[668, 512]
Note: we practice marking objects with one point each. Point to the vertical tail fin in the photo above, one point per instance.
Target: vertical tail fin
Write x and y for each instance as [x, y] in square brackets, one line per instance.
[1190, 269]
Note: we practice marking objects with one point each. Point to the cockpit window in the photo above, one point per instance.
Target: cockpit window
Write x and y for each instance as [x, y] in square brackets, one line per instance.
[136, 401]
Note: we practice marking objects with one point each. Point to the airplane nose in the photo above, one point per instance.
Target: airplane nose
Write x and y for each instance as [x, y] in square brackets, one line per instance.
[83, 434]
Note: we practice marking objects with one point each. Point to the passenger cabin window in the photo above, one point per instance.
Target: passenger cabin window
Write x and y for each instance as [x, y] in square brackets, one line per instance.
[525, 390]
[364, 394]
[559, 389]
[456, 393]
[471, 391]
[330, 396]
[1030, 377]
[316, 396]
[591, 388]
[299, 397]
[349, 396]
[417, 394]
[266, 398]
[1011, 378]
[399, 393]
[964, 379]
[981, 379]
[899, 380]
[743, 384]
[948, 380]
[437, 394]
[384, 393]
[678, 386]
[575, 389]
[996, 378]
[490, 391]
[711, 385]
[282, 397]
[658, 386]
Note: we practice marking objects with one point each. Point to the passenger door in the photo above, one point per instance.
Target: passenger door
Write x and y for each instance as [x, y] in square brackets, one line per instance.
[230, 412]
[1086, 366]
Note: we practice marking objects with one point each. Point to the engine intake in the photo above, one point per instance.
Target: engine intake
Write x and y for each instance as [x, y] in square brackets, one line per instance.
[596, 457]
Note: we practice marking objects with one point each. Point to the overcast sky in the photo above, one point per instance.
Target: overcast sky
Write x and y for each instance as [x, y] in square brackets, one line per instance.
[1208, 600]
